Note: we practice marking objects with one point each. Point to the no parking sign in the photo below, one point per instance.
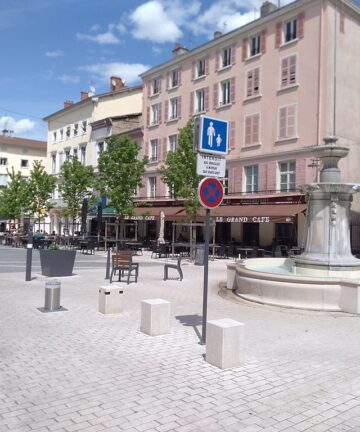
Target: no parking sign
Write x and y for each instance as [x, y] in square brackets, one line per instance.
[210, 192]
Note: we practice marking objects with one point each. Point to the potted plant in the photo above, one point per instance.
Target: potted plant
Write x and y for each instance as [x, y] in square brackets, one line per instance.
[56, 262]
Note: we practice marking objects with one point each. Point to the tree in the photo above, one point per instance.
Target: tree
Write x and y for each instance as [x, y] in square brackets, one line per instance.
[179, 171]
[120, 174]
[76, 182]
[14, 198]
[40, 188]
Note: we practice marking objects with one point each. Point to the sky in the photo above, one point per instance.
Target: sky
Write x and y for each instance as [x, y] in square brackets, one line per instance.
[51, 50]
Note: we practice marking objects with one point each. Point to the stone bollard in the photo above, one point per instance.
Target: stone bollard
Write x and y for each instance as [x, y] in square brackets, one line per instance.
[52, 295]
[225, 343]
[110, 300]
[155, 317]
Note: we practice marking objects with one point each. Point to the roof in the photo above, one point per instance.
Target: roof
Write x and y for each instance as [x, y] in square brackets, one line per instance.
[238, 31]
[22, 142]
[90, 100]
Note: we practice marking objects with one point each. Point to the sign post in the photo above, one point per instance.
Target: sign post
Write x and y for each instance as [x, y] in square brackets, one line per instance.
[210, 193]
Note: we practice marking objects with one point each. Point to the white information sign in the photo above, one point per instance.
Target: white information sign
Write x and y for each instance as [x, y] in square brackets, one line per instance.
[210, 166]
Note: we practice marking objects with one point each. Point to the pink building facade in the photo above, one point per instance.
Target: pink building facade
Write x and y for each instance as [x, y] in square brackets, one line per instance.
[284, 82]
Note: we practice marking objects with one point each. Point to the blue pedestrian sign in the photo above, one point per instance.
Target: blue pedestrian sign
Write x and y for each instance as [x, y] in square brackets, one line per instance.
[214, 135]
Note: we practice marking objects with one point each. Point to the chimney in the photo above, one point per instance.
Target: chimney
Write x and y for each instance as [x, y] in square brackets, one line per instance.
[217, 34]
[84, 95]
[266, 8]
[116, 84]
[68, 104]
[179, 50]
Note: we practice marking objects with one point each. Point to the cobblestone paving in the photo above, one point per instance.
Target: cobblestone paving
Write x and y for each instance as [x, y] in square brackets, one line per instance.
[79, 370]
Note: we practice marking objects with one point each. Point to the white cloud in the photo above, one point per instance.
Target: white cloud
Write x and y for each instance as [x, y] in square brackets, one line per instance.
[128, 72]
[54, 54]
[151, 21]
[17, 126]
[101, 38]
[68, 79]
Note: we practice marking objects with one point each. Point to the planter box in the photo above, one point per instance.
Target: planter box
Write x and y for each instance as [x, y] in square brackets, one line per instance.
[57, 262]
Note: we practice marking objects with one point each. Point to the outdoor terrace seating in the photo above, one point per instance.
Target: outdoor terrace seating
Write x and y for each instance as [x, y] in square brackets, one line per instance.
[123, 263]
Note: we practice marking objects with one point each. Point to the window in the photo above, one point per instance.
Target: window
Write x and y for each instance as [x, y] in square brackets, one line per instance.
[174, 78]
[200, 101]
[83, 126]
[290, 30]
[254, 45]
[252, 129]
[225, 92]
[83, 155]
[153, 150]
[100, 148]
[253, 83]
[3, 161]
[226, 57]
[3, 180]
[252, 178]
[67, 154]
[288, 71]
[54, 137]
[155, 114]
[53, 163]
[200, 68]
[152, 187]
[24, 163]
[173, 109]
[61, 131]
[68, 132]
[173, 139]
[61, 159]
[225, 182]
[76, 129]
[287, 122]
[287, 176]
[155, 86]
[75, 152]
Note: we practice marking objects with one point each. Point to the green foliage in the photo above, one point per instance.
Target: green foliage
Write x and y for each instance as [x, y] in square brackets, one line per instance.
[179, 172]
[77, 180]
[14, 197]
[54, 247]
[40, 188]
[120, 173]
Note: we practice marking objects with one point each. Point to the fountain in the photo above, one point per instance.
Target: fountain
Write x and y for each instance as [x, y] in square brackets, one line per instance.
[326, 276]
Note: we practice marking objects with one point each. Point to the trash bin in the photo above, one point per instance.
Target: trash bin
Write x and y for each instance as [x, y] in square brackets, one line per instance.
[199, 254]
[52, 295]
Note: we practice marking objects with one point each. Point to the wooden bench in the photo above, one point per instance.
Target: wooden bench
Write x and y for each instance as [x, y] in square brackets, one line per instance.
[122, 262]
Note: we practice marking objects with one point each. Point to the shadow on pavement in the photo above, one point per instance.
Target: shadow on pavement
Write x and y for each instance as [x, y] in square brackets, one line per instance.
[191, 321]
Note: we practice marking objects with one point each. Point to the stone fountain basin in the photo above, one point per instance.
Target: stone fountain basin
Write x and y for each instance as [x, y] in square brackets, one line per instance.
[271, 281]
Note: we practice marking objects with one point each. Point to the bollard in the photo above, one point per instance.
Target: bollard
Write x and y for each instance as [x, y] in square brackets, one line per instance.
[110, 300]
[52, 295]
[155, 317]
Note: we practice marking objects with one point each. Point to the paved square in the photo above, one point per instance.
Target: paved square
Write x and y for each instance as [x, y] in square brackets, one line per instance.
[79, 370]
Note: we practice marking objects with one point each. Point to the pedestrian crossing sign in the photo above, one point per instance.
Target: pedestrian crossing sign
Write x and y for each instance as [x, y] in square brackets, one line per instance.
[214, 135]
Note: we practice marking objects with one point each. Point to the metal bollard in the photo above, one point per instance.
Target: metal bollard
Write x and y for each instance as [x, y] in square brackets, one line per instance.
[52, 295]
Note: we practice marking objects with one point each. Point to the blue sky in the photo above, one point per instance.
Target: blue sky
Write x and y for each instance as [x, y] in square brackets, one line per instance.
[53, 49]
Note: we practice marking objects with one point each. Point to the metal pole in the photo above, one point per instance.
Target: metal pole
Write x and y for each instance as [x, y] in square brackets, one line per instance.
[206, 276]
[29, 249]
[107, 275]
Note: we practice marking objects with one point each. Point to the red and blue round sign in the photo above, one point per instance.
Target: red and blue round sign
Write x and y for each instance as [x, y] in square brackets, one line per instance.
[210, 192]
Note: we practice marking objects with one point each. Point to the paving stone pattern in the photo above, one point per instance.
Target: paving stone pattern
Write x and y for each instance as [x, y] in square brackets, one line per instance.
[79, 370]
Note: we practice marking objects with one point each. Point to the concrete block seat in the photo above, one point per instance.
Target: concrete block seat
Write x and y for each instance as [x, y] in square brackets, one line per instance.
[175, 267]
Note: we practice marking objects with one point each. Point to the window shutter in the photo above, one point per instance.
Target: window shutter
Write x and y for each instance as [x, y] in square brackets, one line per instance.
[206, 65]
[164, 149]
[166, 116]
[256, 82]
[232, 135]
[249, 84]
[237, 180]
[291, 121]
[301, 20]
[244, 49]
[285, 72]
[233, 53]
[160, 108]
[216, 95]
[278, 35]
[147, 148]
[160, 82]
[217, 60]
[179, 75]
[147, 116]
[167, 80]
[263, 41]
[148, 88]
[256, 129]
[192, 95]
[206, 97]
[247, 130]
[179, 107]
[282, 122]
[292, 69]
[193, 64]
[342, 22]
[232, 90]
